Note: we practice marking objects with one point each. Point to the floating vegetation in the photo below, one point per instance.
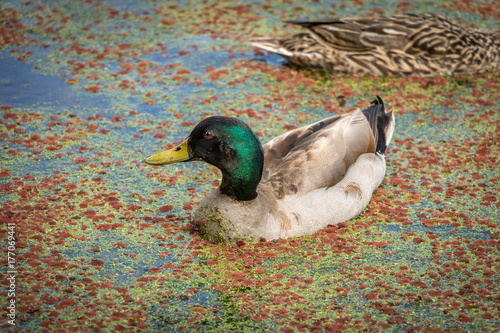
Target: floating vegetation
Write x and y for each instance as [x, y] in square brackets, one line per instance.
[104, 242]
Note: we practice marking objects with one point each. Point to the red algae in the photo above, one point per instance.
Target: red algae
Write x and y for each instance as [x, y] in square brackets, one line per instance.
[117, 250]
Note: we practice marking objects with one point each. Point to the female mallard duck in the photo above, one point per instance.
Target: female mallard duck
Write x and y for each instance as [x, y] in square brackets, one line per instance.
[422, 44]
[297, 183]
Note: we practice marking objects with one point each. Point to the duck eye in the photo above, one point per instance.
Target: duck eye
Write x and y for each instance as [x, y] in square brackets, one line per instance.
[208, 135]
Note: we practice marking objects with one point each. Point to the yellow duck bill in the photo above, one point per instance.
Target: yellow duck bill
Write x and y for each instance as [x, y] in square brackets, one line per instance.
[174, 155]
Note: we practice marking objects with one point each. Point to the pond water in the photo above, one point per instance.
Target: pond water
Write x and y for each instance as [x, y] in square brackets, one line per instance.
[105, 242]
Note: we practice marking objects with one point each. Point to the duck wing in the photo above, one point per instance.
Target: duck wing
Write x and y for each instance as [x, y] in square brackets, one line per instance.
[319, 155]
[316, 156]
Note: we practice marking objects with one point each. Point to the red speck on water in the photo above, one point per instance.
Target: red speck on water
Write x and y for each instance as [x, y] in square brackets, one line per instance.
[464, 318]
[167, 22]
[159, 193]
[160, 135]
[121, 289]
[80, 160]
[268, 254]
[198, 309]
[65, 303]
[116, 119]
[289, 127]
[96, 262]
[436, 189]
[216, 75]
[418, 240]
[70, 186]
[164, 254]
[93, 89]
[379, 244]
[104, 227]
[487, 316]
[4, 174]
[434, 293]
[72, 80]
[146, 279]
[92, 128]
[169, 266]
[166, 208]
[124, 46]
[9, 115]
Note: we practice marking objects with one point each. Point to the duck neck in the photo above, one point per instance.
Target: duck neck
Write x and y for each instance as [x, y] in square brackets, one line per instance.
[241, 174]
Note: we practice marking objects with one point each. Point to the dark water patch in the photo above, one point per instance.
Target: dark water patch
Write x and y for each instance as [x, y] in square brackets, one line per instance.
[23, 86]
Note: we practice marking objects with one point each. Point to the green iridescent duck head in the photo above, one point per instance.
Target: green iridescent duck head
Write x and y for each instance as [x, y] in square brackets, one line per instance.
[228, 144]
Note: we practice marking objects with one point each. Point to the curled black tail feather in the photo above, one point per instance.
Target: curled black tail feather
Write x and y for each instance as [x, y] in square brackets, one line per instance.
[378, 120]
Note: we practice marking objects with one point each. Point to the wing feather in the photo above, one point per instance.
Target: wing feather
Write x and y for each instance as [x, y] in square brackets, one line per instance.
[316, 156]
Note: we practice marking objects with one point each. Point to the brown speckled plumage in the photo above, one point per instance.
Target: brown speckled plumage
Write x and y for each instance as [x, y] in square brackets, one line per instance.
[422, 44]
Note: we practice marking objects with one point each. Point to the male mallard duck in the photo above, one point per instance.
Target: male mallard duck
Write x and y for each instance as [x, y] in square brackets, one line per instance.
[294, 185]
[389, 46]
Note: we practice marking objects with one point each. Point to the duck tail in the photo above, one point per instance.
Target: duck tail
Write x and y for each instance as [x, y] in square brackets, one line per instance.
[270, 44]
[382, 123]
